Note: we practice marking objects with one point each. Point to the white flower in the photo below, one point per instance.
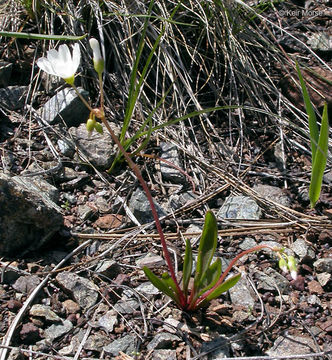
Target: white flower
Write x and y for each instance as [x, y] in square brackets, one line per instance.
[293, 274]
[98, 60]
[61, 63]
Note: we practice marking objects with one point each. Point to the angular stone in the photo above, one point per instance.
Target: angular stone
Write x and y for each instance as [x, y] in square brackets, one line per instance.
[28, 218]
[29, 333]
[56, 330]
[96, 342]
[221, 347]
[99, 149]
[324, 278]
[83, 291]
[301, 249]
[151, 261]
[272, 279]
[126, 345]
[66, 107]
[109, 268]
[164, 354]
[241, 295]
[45, 312]
[140, 207]
[108, 321]
[162, 341]
[147, 289]
[240, 207]
[323, 265]
[26, 284]
[170, 153]
[127, 306]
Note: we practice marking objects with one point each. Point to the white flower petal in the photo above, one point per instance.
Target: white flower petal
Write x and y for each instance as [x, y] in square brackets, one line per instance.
[94, 44]
[46, 66]
[76, 56]
[64, 54]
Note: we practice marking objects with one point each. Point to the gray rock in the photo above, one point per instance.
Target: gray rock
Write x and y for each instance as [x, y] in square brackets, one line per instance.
[82, 290]
[13, 97]
[140, 207]
[66, 107]
[323, 265]
[28, 217]
[314, 300]
[162, 341]
[241, 295]
[273, 193]
[302, 249]
[56, 330]
[292, 345]
[324, 278]
[247, 244]
[147, 289]
[26, 284]
[5, 72]
[170, 153]
[151, 261]
[164, 354]
[240, 207]
[320, 41]
[178, 200]
[127, 345]
[270, 279]
[217, 349]
[84, 212]
[44, 312]
[96, 342]
[99, 149]
[128, 306]
[108, 321]
[66, 147]
[109, 268]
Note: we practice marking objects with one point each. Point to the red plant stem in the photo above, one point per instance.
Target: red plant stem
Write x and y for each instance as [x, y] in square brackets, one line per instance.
[153, 209]
[228, 269]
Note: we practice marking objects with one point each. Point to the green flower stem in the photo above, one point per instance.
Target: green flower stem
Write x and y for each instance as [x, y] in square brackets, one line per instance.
[194, 304]
[31, 36]
[82, 98]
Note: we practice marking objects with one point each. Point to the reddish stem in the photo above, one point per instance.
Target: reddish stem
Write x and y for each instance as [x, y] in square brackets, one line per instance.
[153, 209]
[228, 269]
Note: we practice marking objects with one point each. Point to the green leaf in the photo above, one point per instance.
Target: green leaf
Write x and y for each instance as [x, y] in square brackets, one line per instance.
[32, 36]
[319, 161]
[161, 284]
[210, 278]
[313, 127]
[187, 266]
[207, 247]
[226, 285]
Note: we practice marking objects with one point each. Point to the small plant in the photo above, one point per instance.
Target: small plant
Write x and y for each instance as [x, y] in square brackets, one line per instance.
[209, 282]
[319, 143]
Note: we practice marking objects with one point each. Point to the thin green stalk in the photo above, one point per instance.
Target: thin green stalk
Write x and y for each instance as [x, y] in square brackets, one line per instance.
[32, 36]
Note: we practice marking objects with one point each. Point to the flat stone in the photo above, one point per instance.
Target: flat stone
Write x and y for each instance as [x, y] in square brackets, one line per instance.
[83, 291]
[99, 149]
[164, 354]
[170, 153]
[84, 212]
[96, 342]
[109, 268]
[178, 200]
[66, 106]
[315, 287]
[126, 344]
[26, 284]
[292, 345]
[108, 321]
[247, 244]
[28, 217]
[147, 289]
[324, 278]
[151, 261]
[128, 306]
[273, 193]
[240, 207]
[109, 221]
[29, 333]
[140, 207]
[272, 279]
[162, 341]
[241, 295]
[323, 265]
[56, 330]
[44, 312]
[71, 306]
[302, 249]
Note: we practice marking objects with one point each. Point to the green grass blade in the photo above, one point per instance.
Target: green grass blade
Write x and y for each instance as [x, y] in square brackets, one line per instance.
[207, 247]
[319, 162]
[313, 127]
[187, 266]
[31, 36]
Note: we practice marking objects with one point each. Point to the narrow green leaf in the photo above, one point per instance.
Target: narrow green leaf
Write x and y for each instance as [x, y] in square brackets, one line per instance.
[319, 161]
[33, 36]
[226, 285]
[210, 278]
[187, 266]
[160, 284]
[313, 127]
[207, 247]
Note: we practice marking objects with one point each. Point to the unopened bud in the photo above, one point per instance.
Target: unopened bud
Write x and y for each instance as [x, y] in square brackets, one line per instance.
[283, 265]
[292, 267]
[90, 125]
[99, 127]
[98, 61]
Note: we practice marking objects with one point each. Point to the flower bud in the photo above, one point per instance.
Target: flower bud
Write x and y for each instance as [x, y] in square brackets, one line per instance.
[90, 125]
[283, 265]
[99, 127]
[98, 61]
[292, 267]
